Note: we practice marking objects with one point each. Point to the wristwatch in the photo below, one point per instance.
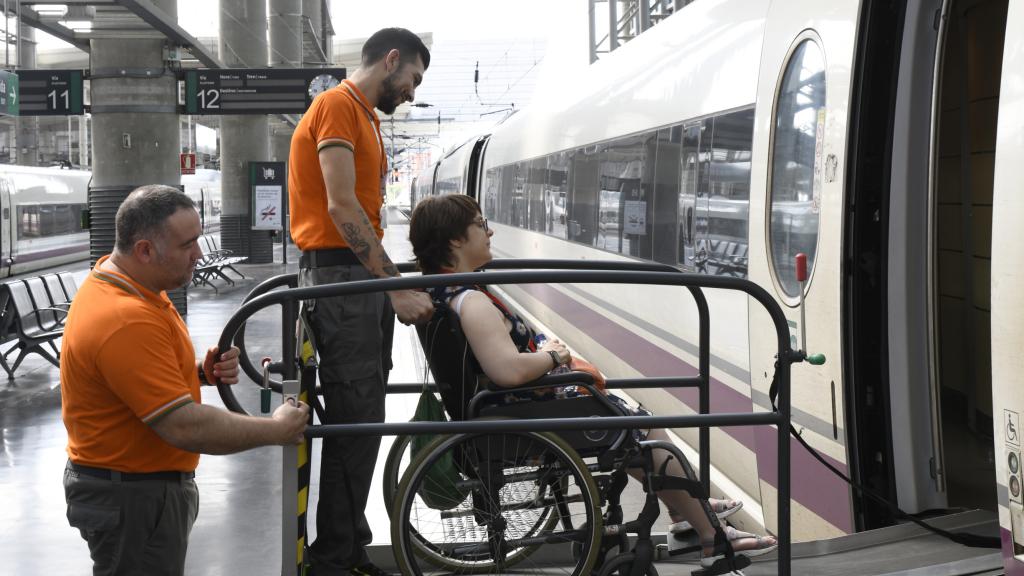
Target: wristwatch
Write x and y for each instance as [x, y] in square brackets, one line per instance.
[202, 376]
[554, 356]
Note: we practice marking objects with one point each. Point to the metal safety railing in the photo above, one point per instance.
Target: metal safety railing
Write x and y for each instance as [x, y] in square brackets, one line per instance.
[568, 272]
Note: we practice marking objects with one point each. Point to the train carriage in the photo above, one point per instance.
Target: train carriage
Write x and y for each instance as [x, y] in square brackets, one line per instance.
[42, 214]
[736, 134]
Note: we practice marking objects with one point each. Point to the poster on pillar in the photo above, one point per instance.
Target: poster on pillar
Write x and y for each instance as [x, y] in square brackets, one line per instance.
[267, 181]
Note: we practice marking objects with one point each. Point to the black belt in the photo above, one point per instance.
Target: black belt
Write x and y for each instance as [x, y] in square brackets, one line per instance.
[328, 257]
[116, 476]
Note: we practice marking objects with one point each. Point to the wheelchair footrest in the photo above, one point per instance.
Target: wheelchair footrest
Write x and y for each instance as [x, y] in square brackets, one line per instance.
[724, 566]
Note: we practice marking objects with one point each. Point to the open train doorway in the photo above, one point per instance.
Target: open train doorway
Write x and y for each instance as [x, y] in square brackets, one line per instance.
[964, 156]
[917, 245]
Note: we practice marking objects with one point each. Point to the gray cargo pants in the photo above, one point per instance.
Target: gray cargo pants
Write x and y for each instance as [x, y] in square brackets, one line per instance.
[353, 336]
[132, 527]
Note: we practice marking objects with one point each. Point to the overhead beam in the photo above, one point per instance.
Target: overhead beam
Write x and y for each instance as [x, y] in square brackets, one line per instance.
[31, 18]
[159, 20]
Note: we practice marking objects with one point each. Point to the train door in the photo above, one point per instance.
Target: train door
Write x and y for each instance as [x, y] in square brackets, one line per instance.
[796, 206]
[1007, 298]
[473, 176]
[6, 227]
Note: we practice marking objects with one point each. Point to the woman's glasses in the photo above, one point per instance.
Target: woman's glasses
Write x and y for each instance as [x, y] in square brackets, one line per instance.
[482, 223]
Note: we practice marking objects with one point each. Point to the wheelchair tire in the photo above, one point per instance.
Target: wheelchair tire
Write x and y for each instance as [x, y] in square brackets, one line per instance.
[393, 469]
[554, 504]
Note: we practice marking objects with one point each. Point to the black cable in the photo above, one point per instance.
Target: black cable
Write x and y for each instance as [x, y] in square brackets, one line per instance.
[970, 540]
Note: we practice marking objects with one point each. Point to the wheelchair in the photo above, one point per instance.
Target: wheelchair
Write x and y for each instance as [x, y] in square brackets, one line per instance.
[526, 502]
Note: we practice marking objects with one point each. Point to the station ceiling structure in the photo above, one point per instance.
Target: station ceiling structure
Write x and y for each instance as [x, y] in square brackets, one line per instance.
[450, 102]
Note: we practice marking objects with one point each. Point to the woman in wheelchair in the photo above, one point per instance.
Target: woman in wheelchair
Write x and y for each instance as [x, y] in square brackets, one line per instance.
[448, 235]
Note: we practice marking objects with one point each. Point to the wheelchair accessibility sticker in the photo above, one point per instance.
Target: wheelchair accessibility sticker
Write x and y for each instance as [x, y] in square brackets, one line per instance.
[1011, 427]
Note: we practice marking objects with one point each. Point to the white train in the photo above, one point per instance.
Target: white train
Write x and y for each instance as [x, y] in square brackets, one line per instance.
[738, 133]
[41, 223]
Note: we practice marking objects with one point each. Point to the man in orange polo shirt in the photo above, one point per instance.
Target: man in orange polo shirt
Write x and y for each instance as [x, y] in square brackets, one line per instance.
[337, 171]
[130, 395]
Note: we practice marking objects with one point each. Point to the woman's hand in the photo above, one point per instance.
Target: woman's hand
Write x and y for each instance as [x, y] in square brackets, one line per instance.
[558, 348]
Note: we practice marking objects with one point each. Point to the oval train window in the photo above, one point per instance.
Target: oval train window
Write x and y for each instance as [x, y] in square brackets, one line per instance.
[799, 128]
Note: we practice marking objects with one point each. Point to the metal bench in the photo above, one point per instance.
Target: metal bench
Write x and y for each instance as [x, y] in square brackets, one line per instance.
[214, 263]
[33, 326]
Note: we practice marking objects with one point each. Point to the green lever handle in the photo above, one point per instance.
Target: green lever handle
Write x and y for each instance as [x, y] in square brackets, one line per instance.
[265, 400]
[816, 359]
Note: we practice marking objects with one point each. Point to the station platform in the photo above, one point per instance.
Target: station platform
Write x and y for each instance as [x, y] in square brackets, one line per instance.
[238, 529]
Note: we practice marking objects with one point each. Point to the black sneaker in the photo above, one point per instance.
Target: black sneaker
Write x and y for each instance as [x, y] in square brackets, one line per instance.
[369, 570]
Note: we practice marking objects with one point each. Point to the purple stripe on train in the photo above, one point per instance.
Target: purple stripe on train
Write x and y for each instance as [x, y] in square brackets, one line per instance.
[1011, 564]
[812, 485]
[62, 251]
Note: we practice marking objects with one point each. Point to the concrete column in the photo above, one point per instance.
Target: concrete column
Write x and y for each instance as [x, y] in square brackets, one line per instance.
[84, 159]
[285, 52]
[135, 138]
[27, 127]
[244, 139]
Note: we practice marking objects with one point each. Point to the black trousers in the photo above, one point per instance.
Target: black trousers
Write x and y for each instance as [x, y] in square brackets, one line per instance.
[353, 337]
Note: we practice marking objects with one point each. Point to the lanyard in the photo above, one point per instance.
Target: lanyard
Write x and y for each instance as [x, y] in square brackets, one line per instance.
[371, 117]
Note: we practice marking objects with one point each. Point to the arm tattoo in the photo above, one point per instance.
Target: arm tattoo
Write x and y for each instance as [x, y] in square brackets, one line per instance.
[363, 247]
[356, 241]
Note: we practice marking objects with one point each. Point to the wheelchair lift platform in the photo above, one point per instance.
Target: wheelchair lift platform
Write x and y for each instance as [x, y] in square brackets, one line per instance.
[902, 550]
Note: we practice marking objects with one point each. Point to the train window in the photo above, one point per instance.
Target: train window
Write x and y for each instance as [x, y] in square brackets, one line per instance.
[798, 126]
[555, 195]
[728, 207]
[583, 203]
[622, 220]
[42, 220]
[492, 185]
[665, 213]
[536, 183]
[505, 194]
[520, 205]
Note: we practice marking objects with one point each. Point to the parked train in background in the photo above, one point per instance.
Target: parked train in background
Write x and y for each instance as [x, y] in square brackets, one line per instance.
[41, 219]
[736, 134]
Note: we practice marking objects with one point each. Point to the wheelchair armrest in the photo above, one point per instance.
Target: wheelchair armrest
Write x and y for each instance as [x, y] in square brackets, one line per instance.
[546, 381]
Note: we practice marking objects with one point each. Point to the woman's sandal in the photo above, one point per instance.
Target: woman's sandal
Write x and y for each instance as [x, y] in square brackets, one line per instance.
[720, 507]
[763, 546]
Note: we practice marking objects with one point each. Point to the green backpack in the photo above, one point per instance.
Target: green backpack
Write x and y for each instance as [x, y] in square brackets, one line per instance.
[439, 489]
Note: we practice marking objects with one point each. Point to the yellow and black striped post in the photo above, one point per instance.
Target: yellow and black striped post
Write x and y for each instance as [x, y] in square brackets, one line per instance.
[307, 380]
[291, 563]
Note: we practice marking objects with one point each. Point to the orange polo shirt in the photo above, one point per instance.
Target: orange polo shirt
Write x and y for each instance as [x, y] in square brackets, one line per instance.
[341, 113]
[126, 361]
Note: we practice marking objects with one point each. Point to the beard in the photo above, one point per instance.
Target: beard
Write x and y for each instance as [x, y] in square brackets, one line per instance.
[390, 96]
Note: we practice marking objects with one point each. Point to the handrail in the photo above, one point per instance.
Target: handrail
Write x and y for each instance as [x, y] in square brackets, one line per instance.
[786, 356]
[704, 332]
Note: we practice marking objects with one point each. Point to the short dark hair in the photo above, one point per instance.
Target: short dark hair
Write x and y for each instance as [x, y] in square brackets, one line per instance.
[436, 221]
[144, 213]
[387, 39]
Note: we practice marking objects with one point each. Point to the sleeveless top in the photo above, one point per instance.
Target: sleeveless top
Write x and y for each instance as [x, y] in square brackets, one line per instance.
[462, 389]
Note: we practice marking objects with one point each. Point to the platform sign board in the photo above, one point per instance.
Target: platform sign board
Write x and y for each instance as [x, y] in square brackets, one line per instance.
[188, 163]
[51, 92]
[256, 90]
[268, 183]
[8, 93]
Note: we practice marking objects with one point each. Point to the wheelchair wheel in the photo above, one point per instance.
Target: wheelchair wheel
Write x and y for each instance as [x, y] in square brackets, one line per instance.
[525, 490]
[394, 466]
